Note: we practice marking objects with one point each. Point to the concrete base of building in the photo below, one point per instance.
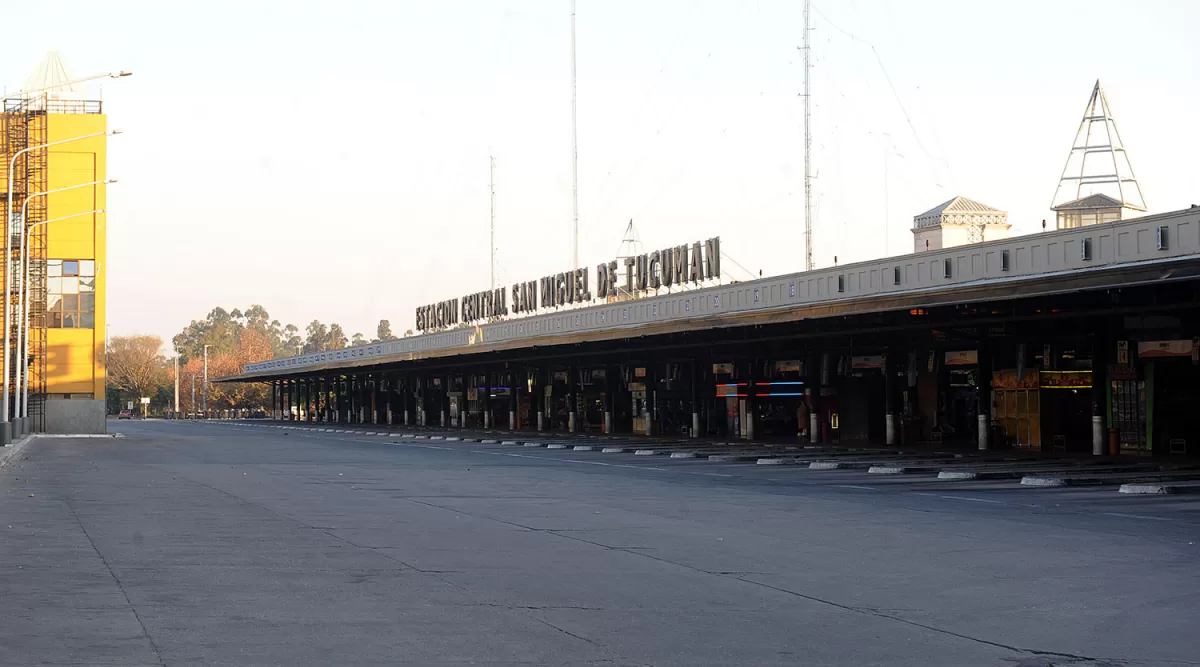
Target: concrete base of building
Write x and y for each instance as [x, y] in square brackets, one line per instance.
[1097, 435]
[75, 416]
[5, 433]
[695, 424]
[983, 431]
[512, 420]
[891, 428]
[541, 419]
[571, 422]
[814, 428]
[608, 422]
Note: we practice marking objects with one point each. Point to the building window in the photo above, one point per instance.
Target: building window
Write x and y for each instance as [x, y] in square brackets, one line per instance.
[71, 293]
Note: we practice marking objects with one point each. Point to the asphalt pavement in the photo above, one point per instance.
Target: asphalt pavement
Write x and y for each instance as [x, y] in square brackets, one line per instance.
[230, 544]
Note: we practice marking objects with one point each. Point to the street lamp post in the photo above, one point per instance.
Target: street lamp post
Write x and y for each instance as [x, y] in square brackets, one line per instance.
[64, 84]
[204, 387]
[5, 424]
[22, 381]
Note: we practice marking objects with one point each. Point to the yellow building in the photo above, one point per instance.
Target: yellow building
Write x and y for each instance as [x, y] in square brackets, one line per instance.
[66, 286]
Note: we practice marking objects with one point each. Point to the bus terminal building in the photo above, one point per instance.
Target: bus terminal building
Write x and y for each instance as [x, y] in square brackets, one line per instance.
[1078, 339]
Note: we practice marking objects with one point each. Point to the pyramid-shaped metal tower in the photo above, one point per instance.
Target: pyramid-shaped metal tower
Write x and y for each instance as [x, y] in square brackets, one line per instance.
[1098, 162]
[52, 73]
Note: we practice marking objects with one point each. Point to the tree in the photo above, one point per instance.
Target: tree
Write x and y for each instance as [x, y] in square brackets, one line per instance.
[135, 365]
[337, 337]
[383, 332]
[317, 337]
[358, 339]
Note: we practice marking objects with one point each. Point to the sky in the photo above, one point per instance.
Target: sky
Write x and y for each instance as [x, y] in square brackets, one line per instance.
[331, 160]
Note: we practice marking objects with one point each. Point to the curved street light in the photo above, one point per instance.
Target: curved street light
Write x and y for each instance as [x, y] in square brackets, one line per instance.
[106, 75]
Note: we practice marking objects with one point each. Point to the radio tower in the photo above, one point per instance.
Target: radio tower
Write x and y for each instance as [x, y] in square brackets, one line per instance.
[574, 154]
[492, 193]
[808, 240]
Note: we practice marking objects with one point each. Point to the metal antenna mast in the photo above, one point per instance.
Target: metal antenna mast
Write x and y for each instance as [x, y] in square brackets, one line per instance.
[492, 190]
[574, 154]
[808, 242]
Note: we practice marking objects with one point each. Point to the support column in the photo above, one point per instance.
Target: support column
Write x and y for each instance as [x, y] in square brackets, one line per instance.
[889, 397]
[443, 398]
[695, 399]
[539, 399]
[513, 392]
[390, 393]
[572, 398]
[610, 380]
[487, 398]
[984, 391]
[751, 403]
[817, 376]
[1100, 347]
[376, 398]
[406, 392]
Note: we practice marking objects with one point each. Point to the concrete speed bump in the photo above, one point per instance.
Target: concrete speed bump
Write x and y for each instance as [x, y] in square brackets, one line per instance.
[489, 441]
[509, 442]
[645, 452]
[582, 448]
[837, 465]
[1109, 476]
[683, 455]
[556, 445]
[613, 450]
[1160, 488]
[534, 444]
[420, 437]
[899, 470]
[771, 462]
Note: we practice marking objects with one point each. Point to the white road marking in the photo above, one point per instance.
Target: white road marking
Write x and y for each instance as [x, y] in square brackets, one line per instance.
[1137, 516]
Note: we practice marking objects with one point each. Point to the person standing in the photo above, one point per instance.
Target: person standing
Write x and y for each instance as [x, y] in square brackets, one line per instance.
[802, 419]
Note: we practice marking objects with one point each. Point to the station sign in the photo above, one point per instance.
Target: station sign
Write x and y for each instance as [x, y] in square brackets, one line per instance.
[679, 265]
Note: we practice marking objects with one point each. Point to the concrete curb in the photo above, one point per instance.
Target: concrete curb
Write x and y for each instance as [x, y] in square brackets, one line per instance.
[9, 452]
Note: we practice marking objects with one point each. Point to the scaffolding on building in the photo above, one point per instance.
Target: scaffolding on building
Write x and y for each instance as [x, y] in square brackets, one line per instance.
[25, 124]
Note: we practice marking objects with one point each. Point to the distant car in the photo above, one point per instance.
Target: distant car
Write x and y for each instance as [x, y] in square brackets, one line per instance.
[125, 414]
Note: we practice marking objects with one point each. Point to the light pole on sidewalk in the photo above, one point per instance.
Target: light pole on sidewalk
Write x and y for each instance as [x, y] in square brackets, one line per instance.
[204, 387]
